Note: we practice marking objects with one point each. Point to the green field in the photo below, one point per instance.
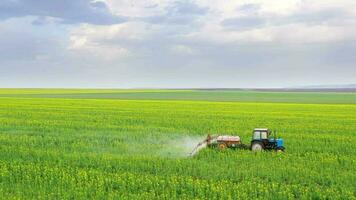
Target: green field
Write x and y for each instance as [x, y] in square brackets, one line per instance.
[193, 95]
[133, 144]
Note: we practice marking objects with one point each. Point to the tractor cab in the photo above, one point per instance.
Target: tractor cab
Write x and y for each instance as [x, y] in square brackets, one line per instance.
[262, 139]
[260, 134]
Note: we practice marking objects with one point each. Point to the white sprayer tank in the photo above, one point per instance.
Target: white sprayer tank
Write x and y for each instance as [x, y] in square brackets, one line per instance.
[228, 138]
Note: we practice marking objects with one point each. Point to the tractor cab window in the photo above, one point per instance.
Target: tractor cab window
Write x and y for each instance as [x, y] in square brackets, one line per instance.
[264, 135]
[260, 135]
[256, 135]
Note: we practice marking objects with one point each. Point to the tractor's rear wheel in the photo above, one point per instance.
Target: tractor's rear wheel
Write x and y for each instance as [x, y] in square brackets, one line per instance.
[222, 146]
[257, 146]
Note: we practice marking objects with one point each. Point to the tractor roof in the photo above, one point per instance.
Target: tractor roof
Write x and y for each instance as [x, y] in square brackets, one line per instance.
[260, 129]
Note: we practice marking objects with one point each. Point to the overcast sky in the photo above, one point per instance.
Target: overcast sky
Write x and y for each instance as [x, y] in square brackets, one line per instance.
[170, 44]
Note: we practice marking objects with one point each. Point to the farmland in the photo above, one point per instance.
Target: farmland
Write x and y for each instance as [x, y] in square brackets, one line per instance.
[132, 144]
[193, 95]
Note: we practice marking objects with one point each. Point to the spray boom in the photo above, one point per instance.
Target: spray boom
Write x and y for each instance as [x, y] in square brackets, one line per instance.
[202, 145]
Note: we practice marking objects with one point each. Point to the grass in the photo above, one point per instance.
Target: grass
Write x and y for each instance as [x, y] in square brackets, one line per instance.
[62, 148]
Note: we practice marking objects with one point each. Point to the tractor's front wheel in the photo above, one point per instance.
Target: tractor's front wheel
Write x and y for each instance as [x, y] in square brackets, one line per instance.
[280, 149]
[257, 146]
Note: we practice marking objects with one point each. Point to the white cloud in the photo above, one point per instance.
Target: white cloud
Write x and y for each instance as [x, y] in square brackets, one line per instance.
[278, 22]
[134, 8]
[267, 21]
[66, 11]
[183, 49]
[88, 40]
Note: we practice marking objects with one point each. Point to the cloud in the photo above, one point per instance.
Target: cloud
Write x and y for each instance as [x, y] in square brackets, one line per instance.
[251, 18]
[250, 7]
[243, 23]
[20, 41]
[176, 43]
[312, 17]
[186, 8]
[182, 49]
[66, 11]
[179, 12]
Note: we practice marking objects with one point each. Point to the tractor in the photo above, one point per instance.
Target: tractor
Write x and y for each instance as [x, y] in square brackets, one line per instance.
[262, 139]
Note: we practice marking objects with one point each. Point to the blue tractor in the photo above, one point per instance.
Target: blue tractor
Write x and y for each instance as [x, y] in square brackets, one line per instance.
[264, 139]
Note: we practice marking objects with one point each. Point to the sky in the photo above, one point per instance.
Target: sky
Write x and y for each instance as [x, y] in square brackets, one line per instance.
[177, 44]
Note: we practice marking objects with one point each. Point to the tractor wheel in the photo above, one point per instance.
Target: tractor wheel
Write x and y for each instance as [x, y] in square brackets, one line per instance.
[257, 146]
[280, 150]
[222, 146]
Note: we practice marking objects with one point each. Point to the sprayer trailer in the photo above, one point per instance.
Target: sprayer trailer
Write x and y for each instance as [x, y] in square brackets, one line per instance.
[224, 141]
[220, 142]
